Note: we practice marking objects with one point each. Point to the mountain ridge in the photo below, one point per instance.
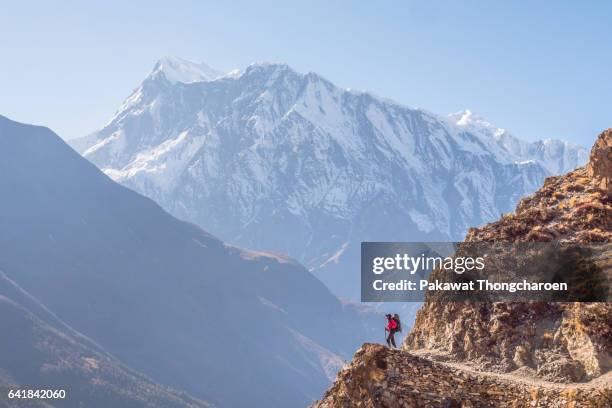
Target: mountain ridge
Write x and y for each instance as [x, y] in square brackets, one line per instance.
[58, 357]
[162, 295]
[272, 150]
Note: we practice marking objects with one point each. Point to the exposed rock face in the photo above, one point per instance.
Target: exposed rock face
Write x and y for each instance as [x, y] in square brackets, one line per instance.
[600, 162]
[505, 353]
[379, 377]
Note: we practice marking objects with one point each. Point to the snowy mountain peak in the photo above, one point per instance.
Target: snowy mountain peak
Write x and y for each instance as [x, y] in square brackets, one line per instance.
[467, 118]
[556, 156]
[268, 69]
[462, 117]
[176, 69]
[268, 65]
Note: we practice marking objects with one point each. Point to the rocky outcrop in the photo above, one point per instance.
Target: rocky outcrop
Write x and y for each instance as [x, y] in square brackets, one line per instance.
[600, 162]
[556, 341]
[481, 354]
[380, 377]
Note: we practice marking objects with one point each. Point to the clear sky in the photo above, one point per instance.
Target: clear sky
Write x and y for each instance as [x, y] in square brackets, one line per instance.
[538, 68]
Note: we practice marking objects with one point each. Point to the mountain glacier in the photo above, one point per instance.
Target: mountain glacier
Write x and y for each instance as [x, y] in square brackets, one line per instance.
[272, 159]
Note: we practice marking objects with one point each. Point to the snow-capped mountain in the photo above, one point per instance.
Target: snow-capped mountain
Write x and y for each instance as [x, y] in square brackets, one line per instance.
[556, 156]
[269, 158]
[176, 69]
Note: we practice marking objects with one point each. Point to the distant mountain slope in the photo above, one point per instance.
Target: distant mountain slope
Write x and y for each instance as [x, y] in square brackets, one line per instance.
[254, 155]
[38, 351]
[233, 327]
[556, 156]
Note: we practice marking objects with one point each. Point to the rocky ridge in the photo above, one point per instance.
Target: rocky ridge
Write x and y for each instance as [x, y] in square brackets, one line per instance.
[380, 377]
[505, 353]
[557, 341]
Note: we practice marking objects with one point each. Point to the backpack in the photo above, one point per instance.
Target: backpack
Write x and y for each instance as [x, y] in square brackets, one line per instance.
[397, 320]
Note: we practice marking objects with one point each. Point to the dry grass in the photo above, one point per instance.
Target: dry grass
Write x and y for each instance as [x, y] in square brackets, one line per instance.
[566, 207]
[558, 195]
[583, 181]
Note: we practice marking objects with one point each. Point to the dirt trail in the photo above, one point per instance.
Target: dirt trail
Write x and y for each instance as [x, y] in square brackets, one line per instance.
[380, 377]
[516, 377]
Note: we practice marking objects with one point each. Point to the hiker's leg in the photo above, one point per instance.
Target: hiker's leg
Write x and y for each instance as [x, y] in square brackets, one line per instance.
[392, 335]
[389, 339]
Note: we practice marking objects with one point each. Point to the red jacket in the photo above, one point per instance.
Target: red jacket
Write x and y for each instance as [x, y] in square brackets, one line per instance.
[392, 325]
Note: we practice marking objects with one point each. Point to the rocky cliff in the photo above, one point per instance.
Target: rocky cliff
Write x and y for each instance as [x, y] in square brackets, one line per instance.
[558, 341]
[600, 162]
[506, 353]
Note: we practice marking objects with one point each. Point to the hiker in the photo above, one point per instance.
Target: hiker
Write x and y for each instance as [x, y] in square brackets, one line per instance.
[393, 326]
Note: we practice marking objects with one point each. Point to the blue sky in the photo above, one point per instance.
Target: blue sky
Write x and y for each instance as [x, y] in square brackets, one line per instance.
[540, 69]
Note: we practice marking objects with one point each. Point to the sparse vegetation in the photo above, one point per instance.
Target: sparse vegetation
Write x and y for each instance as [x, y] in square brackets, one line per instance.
[557, 195]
